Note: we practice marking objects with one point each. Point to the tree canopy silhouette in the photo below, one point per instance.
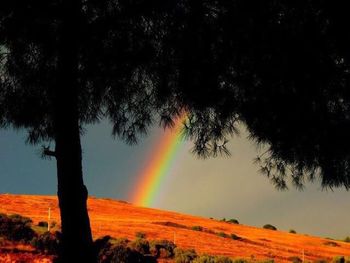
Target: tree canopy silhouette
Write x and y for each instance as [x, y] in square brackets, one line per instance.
[279, 67]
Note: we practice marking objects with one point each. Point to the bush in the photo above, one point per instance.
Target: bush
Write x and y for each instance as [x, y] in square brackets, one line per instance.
[140, 235]
[197, 228]
[240, 260]
[222, 234]
[43, 224]
[184, 256]
[295, 259]
[292, 231]
[122, 254]
[212, 259]
[120, 241]
[338, 259]
[140, 245]
[341, 259]
[121, 251]
[233, 221]
[162, 248]
[47, 243]
[102, 244]
[331, 244]
[347, 239]
[270, 227]
[235, 237]
[16, 228]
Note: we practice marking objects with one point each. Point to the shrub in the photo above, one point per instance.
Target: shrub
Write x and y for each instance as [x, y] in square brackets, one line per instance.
[341, 259]
[101, 244]
[222, 234]
[295, 259]
[347, 239]
[204, 259]
[292, 231]
[240, 260]
[120, 241]
[140, 235]
[270, 227]
[140, 245]
[212, 259]
[235, 237]
[171, 224]
[338, 259]
[16, 228]
[162, 248]
[43, 224]
[233, 221]
[47, 243]
[122, 254]
[197, 228]
[331, 244]
[184, 256]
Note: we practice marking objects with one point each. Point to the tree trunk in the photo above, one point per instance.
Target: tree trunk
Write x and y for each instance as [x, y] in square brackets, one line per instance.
[77, 243]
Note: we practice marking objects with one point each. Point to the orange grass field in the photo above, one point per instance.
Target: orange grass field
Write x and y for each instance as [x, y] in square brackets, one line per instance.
[121, 219]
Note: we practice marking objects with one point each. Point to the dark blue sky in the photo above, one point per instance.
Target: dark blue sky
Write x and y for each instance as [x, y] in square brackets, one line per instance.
[222, 187]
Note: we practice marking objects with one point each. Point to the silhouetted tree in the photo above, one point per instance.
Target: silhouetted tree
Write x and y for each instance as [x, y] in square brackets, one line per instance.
[65, 64]
[280, 67]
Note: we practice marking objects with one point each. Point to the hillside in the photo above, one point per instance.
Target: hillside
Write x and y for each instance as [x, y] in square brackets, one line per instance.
[120, 219]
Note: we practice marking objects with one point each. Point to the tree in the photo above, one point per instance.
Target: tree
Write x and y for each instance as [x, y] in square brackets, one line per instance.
[279, 67]
[65, 64]
[282, 68]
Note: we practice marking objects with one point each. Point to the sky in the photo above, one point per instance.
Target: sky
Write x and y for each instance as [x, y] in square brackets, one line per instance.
[223, 187]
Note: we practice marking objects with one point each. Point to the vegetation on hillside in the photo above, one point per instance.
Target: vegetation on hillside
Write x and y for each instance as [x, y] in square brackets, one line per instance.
[16, 228]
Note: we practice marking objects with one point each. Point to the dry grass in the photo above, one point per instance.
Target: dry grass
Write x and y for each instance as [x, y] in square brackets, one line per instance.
[120, 219]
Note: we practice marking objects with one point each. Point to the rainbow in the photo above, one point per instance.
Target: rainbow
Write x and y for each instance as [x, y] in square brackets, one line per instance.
[157, 167]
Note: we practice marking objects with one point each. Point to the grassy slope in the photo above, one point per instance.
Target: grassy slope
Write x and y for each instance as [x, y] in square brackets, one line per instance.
[120, 219]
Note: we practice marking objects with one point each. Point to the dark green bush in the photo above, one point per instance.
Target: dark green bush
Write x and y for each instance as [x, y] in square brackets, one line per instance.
[122, 254]
[240, 260]
[295, 259]
[270, 227]
[184, 256]
[222, 234]
[235, 237]
[292, 231]
[197, 228]
[233, 221]
[140, 245]
[331, 244]
[47, 243]
[162, 248]
[121, 251]
[347, 239]
[338, 259]
[212, 259]
[16, 228]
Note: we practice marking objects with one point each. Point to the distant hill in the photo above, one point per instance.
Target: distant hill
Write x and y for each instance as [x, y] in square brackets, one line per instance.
[121, 219]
